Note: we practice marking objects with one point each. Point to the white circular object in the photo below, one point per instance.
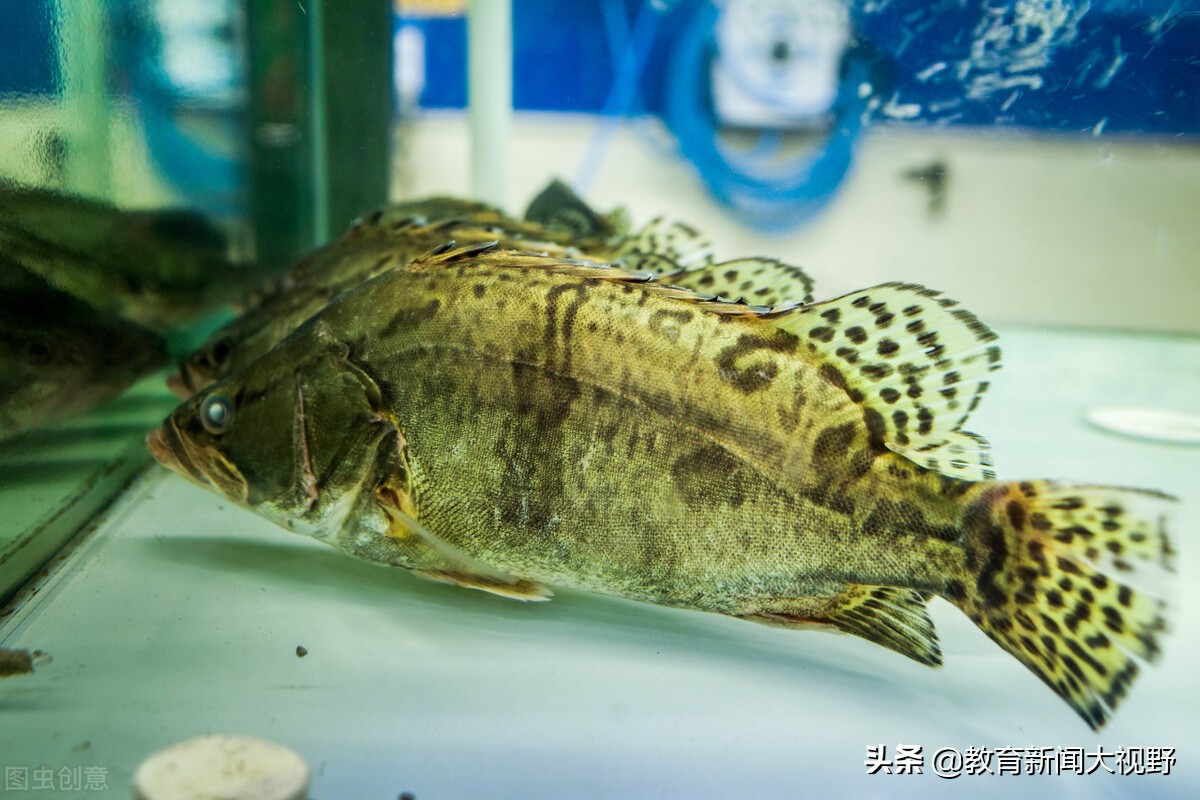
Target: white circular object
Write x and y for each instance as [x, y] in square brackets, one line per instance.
[1155, 424]
[221, 767]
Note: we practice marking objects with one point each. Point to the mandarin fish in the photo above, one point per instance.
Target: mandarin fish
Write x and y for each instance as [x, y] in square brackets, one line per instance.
[393, 236]
[156, 268]
[59, 356]
[511, 421]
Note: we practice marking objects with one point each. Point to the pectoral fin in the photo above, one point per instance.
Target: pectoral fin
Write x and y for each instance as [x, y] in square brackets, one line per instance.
[515, 588]
[890, 616]
[430, 557]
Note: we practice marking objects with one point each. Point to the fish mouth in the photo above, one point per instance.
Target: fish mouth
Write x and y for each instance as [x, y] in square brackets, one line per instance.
[160, 447]
[202, 465]
[168, 448]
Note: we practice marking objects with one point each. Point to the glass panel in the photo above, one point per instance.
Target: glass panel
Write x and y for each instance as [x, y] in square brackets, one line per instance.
[157, 163]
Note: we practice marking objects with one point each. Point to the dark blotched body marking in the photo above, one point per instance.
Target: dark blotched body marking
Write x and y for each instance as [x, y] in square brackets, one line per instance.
[709, 477]
[406, 318]
[758, 373]
[832, 446]
[889, 518]
[987, 551]
[558, 332]
[666, 322]
[533, 448]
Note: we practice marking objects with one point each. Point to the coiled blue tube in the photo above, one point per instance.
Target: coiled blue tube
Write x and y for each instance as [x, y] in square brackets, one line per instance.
[762, 192]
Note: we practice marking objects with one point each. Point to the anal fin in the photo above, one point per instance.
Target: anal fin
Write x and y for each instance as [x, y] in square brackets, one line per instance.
[893, 617]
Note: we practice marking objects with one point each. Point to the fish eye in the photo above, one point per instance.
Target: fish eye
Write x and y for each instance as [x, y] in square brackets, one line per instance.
[38, 351]
[220, 351]
[216, 413]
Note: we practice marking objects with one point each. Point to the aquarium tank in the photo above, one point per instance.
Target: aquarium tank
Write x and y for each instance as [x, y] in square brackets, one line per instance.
[680, 315]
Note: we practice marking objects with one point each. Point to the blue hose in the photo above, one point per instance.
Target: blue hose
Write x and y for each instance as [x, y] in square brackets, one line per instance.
[629, 50]
[762, 192]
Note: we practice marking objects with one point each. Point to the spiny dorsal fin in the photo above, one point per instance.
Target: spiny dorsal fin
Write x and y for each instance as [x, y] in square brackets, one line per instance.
[450, 253]
[400, 218]
[493, 254]
[915, 361]
[759, 281]
[660, 246]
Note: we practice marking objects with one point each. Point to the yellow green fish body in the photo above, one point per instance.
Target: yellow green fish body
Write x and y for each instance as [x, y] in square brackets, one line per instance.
[512, 421]
[394, 236]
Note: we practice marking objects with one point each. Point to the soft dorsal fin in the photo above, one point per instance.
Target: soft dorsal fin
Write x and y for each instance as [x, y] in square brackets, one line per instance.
[758, 281]
[915, 361]
[663, 246]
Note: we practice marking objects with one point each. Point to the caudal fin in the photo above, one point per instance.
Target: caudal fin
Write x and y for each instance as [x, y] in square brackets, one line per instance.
[1070, 580]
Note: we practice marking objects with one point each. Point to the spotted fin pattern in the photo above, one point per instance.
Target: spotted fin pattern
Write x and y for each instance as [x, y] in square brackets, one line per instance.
[664, 246]
[890, 616]
[1060, 577]
[893, 617]
[401, 218]
[758, 281]
[916, 362]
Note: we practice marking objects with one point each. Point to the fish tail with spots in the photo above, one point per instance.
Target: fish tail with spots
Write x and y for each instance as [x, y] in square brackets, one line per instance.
[1069, 579]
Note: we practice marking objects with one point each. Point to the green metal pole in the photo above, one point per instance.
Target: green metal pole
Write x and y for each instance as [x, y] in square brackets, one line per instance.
[320, 122]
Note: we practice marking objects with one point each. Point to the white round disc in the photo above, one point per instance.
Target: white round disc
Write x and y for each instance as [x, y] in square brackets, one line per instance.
[225, 767]
[1156, 424]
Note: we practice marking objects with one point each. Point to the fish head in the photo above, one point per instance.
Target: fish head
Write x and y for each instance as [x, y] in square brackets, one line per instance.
[243, 340]
[283, 304]
[58, 356]
[290, 438]
[211, 362]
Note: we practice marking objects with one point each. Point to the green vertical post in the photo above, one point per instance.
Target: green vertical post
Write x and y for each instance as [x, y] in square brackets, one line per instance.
[280, 135]
[320, 119]
[352, 109]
